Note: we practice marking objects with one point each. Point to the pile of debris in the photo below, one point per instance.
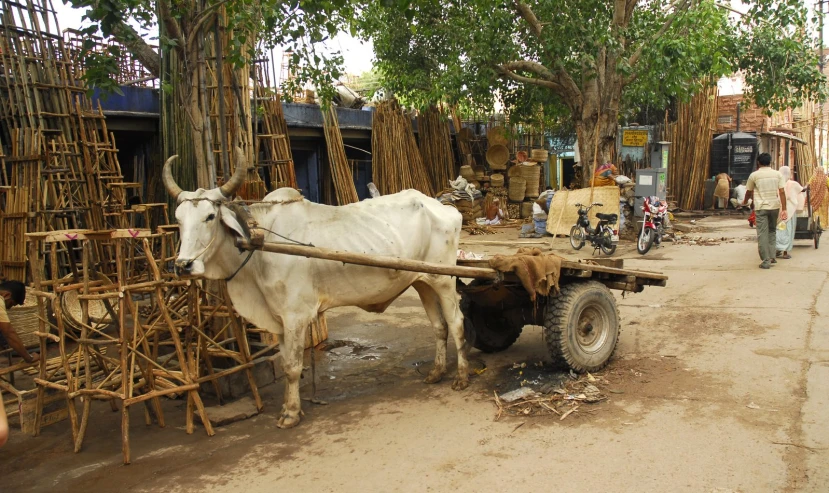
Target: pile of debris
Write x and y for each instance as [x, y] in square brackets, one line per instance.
[700, 241]
[479, 230]
[575, 392]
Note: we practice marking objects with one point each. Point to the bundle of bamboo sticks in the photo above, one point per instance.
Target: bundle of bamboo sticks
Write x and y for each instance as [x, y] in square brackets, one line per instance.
[396, 161]
[436, 147]
[690, 153]
[340, 170]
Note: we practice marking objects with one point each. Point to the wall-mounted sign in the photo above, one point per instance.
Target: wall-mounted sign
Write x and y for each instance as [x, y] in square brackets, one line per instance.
[634, 138]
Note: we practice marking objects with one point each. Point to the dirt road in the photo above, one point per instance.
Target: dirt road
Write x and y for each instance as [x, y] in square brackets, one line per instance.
[720, 383]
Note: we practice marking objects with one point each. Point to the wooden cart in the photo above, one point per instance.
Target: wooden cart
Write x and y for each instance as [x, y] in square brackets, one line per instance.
[808, 227]
[581, 324]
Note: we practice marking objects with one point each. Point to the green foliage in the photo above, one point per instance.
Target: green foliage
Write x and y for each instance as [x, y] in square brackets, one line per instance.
[450, 50]
[99, 69]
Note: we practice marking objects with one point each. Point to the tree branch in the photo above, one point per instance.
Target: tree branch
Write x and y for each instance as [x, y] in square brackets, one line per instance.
[533, 67]
[509, 74]
[681, 7]
[562, 76]
[139, 48]
[529, 16]
[171, 24]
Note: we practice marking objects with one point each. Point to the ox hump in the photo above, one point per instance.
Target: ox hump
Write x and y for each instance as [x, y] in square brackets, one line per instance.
[283, 194]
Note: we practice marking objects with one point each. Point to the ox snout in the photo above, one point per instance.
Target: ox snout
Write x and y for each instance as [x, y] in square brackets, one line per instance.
[186, 266]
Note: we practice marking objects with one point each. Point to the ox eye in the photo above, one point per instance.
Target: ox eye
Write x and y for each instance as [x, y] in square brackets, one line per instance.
[210, 217]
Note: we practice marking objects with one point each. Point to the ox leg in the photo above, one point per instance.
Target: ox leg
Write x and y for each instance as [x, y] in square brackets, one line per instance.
[292, 349]
[431, 303]
[451, 312]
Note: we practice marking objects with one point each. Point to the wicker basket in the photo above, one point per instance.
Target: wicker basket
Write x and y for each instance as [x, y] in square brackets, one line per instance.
[497, 156]
[520, 156]
[73, 312]
[532, 174]
[526, 209]
[517, 189]
[497, 136]
[24, 320]
[496, 180]
[538, 155]
[480, 172]
[467, 173]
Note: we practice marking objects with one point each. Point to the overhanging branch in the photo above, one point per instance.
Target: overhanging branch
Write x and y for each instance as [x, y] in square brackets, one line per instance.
[139, 48]
[509, 74]
[679, 8]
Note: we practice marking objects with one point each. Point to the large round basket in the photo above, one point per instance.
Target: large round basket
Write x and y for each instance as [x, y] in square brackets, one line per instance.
[497, 136]
[99, 316]
[497, 156]
[496, 180]
[520, 156]
[533, 176]
[24, 320]
[517, 189]
[480, 172]
[526, 209]
[538, 155]
[514, 171]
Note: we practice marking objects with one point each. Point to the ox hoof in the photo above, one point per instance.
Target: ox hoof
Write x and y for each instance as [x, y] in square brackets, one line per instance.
[287, 421]
[460, 384]
[434, 376]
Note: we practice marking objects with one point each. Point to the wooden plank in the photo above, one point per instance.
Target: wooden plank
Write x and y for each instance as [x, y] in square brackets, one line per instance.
[54, 409]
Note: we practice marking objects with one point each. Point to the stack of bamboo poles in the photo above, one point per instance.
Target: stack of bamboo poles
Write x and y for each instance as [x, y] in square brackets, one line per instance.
[341, 174]
[436, 147]
[690, 137]
[396, 161]
[806, 156]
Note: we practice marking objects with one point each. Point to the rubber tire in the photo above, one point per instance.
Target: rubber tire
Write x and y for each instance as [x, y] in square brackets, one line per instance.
[818, 232]
[574, 232]
[560, 319]
[648, 241]
[607, 237]
[492, 333]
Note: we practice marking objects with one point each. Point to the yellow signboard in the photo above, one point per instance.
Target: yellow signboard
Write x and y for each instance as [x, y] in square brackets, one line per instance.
[634, 138]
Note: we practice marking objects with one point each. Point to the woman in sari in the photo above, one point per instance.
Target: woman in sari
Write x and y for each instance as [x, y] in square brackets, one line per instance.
[785, 237]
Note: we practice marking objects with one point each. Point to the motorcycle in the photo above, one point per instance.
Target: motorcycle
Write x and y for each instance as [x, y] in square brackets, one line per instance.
[601, 237]
[653, 224]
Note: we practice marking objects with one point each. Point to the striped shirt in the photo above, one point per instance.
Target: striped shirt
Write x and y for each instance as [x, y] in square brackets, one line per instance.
[766, 183]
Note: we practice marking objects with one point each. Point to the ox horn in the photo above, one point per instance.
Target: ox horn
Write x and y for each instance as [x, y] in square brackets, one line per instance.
[167, 177]
[238, 177]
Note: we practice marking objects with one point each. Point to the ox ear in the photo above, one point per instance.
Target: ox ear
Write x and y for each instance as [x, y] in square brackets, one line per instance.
[229, 220]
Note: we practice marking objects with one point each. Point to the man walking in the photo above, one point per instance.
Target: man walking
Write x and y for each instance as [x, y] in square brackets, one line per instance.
[768, 185]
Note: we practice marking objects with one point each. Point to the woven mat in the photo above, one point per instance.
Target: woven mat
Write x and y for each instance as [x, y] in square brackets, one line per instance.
[563, 210]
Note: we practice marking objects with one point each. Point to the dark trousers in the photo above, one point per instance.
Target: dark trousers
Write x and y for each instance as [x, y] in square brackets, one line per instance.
[767, 233]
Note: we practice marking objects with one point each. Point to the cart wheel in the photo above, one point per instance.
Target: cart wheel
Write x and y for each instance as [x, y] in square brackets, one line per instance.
[581, 326]
[818, 232]
[489, 329]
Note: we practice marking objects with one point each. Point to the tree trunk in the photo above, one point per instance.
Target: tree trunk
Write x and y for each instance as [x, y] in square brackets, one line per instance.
[596, 128]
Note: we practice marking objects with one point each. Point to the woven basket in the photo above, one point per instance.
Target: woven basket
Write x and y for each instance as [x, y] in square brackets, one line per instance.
[480, 172]
[520, 156]
[465, 134]
[24, 320]
[467, 173]
[538, 155]
[497, 157]
[533, 176]
[496, 180]
[517, 189]
[73, 312]
[526, 209]
[497, 136]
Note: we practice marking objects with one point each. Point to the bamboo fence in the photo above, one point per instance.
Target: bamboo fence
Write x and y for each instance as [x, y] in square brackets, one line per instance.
[436, 147]
[341, 174]
[690, 153]
[396, 161]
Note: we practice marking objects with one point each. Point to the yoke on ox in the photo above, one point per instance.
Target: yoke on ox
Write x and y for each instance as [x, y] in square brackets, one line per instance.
[284, 294]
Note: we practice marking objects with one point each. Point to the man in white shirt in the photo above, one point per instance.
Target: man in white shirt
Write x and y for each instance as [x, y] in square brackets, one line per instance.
[765, 186]
[740, 196]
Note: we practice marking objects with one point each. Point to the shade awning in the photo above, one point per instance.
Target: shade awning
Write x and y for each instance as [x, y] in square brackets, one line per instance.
[784, 136]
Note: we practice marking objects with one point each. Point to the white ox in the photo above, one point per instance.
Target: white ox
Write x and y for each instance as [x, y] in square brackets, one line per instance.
[283, 293]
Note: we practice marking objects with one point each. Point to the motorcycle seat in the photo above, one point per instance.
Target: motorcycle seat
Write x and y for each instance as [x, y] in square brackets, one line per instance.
[611, 218]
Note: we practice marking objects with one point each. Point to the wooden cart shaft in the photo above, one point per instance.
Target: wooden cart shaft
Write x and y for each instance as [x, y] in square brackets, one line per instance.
[613, 277]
